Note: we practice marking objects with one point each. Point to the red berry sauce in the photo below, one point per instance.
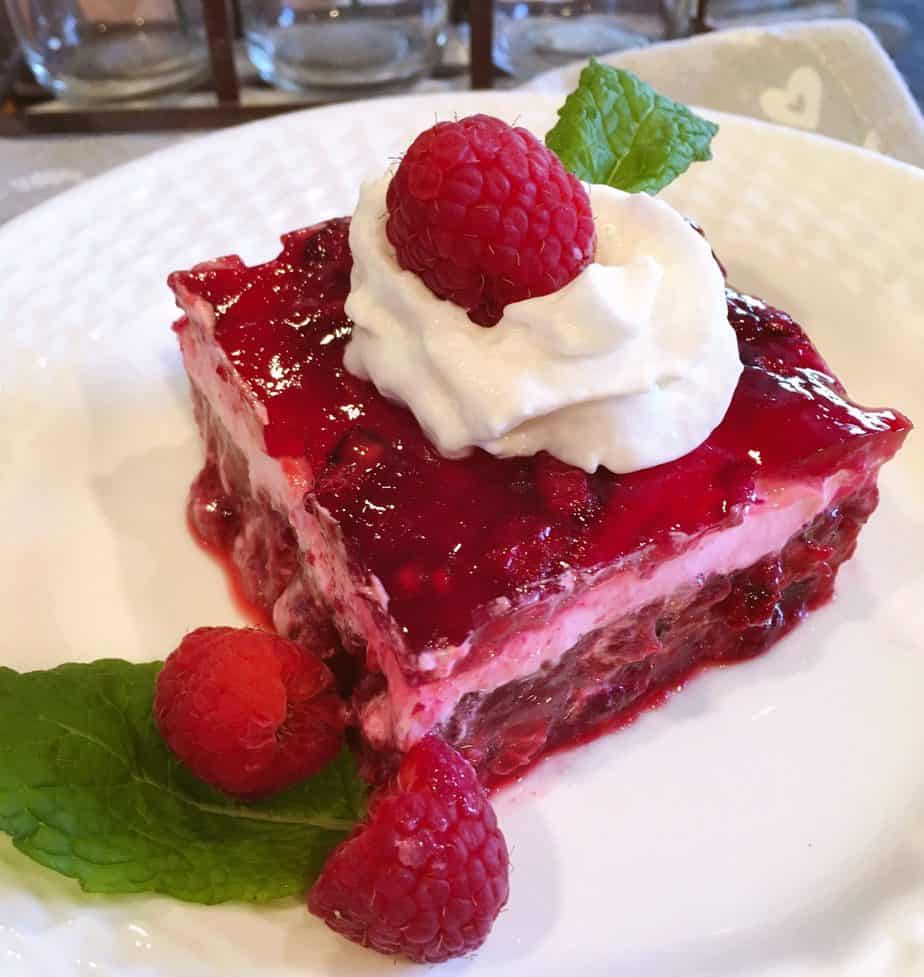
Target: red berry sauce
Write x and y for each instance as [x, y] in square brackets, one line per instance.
[448, 537]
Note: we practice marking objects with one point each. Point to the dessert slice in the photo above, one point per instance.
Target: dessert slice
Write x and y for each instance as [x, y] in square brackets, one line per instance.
[512, 604]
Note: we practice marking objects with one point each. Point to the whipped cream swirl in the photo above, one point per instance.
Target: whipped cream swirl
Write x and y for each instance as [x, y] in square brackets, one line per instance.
[630, 365]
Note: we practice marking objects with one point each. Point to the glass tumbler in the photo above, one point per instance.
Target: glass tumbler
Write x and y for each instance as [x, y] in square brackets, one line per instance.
[90, 50]
[336, 47]
[535, 35]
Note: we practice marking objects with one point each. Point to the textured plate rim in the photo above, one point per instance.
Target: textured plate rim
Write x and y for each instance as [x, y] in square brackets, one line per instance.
[123, 171]
[117, 177]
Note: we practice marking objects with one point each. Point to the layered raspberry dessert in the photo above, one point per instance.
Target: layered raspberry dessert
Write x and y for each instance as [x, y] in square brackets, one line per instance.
[515, 516]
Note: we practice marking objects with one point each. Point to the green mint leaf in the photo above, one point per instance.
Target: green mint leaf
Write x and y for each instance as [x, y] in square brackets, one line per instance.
[88, 788]
[615, 129]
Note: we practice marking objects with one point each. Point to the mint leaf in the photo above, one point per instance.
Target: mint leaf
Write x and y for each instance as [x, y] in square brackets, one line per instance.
[615, 129]
[88, 788]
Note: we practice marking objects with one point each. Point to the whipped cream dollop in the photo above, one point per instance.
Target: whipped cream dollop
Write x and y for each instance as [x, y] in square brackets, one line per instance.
[630, 365]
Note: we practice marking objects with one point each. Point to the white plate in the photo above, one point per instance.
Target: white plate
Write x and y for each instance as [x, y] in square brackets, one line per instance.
[767, 823]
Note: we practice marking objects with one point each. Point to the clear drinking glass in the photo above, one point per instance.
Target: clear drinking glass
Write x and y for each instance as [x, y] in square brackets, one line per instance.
[534, 35]
[728, 13]
[111, 49]
[336, 47]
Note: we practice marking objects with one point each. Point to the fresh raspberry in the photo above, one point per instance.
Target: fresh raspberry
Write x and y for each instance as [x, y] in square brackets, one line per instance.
[247, 711]
[486, 215]
[426, 874]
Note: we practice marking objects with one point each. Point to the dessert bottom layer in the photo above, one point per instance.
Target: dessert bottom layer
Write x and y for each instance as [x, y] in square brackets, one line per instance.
[610, 673]
[598, 682]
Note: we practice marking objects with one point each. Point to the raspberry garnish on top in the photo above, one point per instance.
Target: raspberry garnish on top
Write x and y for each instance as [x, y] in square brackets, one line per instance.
[487, 215]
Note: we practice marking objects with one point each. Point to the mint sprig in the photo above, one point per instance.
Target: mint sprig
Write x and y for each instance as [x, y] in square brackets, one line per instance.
[615, 129]
[88, 788]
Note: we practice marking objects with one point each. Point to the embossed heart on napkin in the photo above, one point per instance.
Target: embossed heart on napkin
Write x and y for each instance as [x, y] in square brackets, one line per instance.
[799, 103]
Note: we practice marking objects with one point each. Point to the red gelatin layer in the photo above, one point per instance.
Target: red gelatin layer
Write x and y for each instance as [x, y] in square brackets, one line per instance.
[448, 538]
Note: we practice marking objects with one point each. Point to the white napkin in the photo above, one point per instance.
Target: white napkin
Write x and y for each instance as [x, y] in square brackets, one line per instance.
[827, 76]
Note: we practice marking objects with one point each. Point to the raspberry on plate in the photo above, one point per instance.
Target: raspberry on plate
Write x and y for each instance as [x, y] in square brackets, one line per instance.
[427, 874]
[248, 711]
[487, 215]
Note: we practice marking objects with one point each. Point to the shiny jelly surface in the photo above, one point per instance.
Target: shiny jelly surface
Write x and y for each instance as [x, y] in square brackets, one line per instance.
[449, 537]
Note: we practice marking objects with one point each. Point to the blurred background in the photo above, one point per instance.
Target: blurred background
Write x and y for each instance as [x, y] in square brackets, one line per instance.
[92, 51]
[88, 84]
[900, 27]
